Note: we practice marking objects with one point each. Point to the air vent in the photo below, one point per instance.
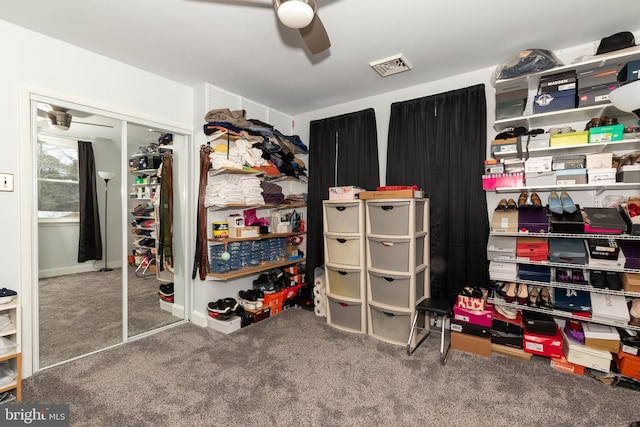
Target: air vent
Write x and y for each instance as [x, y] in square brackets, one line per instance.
[392, 65]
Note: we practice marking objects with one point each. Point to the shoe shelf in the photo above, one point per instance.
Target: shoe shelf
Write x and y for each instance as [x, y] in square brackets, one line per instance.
[559, 313]
[566, 285]
[576, 187]
[592, 148]
[257, 206]
[260, 237]
[12, 332]
[222, 171]
[573, 266]
[253, 270]
[568, 235]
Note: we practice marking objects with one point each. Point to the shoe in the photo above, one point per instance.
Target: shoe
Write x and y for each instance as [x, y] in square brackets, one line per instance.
[166, 289]
[7, 295]
[523, 200]
[522, 296]
[511, 204]
[555, 205]
[533, 297]
[510, 292]
[544, 298]
[508, 312]
[502, 205]
[577, 277]
[574, 331]
[634, 312]
[567, 203]
[535, 201]
[612, 279]
[563, 276]
[597, 279]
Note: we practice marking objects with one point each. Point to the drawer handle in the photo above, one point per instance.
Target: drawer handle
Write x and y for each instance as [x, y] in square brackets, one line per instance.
[387, 244]
[341, 208]
[342, 240]
[388, 314]
[342, 273]
[342, 304]
[386, 207]
[389, 279]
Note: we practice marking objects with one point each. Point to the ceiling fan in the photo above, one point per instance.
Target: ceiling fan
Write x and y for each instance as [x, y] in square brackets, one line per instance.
[60, 118]
[297, 14]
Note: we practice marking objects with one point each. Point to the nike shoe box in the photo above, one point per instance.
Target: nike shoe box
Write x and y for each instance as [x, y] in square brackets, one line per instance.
[501, 248]
[628, 364]
[543, 345]
[469, 328]
[567, 223]
[532, 249]
[476, 317]
[538, 273]
[567, 251]
[533, 220]
[539, 323]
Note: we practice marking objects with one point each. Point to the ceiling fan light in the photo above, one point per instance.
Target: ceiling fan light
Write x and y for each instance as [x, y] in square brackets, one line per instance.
[295, 13]
[627, 98]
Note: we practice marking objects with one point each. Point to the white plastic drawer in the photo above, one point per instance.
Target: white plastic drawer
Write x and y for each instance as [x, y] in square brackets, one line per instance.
[390, 325]
[394, 217]
[343, 217]
[347, 315]
[345, 281]
[394, 253]
[343, 249]
[395, 289]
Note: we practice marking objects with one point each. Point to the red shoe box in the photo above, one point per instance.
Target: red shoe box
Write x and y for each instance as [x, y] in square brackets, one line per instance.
[543, 345]
[628, 364]
[532, 248]
[476, 317]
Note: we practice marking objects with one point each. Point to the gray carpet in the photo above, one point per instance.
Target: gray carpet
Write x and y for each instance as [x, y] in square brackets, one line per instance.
[81, 313]
[295, 370]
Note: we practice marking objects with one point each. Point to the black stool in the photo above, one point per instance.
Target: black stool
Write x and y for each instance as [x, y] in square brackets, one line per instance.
[440, 308]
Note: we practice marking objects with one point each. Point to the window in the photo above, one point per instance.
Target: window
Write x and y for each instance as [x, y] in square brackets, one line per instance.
[58, 193]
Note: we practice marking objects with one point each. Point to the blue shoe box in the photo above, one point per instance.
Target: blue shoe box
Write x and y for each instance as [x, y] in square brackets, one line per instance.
[554, 101]
[567, 251]
[538, 273]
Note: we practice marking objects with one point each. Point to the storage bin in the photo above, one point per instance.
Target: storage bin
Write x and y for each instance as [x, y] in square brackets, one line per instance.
[395, 289]
[392, 326]
[346, 315]
[343, 217]
[393, 217]
[344, 281]
[342, 249]
[394, 253]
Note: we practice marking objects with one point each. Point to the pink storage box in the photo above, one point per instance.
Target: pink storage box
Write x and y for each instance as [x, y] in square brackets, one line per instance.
[475, 317]
[347, 192]
[496, 180]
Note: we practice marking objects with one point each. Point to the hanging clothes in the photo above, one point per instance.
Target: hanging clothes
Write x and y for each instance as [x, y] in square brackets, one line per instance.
[90, 239]
[165, 213]
[200, 263]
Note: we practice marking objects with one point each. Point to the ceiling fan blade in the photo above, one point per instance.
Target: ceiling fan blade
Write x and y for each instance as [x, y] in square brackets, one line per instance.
[92, 124]
[315, 36]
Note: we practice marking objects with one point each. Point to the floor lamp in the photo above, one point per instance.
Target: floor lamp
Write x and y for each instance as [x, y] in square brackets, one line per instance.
[106, 176]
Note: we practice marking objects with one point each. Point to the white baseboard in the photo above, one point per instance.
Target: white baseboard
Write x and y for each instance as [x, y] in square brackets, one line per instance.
[199, 319]
[75, 269]
[175, 309]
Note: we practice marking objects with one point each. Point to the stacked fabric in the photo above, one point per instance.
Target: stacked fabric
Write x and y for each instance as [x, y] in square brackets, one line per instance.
[234, 189]
[251, 190]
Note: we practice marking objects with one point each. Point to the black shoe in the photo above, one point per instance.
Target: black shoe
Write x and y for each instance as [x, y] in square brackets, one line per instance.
[613, 281]
[166, 289]
[597, 279]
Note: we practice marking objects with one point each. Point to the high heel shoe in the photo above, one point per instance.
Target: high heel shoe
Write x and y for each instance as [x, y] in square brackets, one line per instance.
[510, 292]
[533, 297]
[567, 203]
[535, 201]
[544, 298]
[511, 204]
[523, 294]
[502, 205]
[522, 200]
[555, 205]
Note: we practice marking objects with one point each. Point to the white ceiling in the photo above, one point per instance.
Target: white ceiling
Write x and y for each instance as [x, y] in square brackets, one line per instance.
[239, 46]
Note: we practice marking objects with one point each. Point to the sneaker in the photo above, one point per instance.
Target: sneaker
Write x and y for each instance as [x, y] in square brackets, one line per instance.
[166, 289]
[7, 295]
[251, 298]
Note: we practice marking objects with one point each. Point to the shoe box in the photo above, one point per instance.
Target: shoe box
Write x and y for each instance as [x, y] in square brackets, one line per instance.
[477, 317]
[224, 326]
[511, 100]
[629, 341]
[533, 220]
[538, 273]
[507, 339]
[274, 300]
[628, 364]
[532, 249]
[503, 271]
[605, 220]
[554, 101]
[582, 355]
[567, 251]
[505, 221]
[609, 308]
[471, 344]
[596, 95]
[543, 345]
[574, 301]
[469, 328]
[609, 264]
[606, 249]
[501, 249]
[631, 252]
[601, 337]
[569, 139]
[539, 323]
[563, 365]
[508, 326]
[513, 352]
[567, 223]
[259, 314]
[631, 282]
[571, 176]
[628, 173]
[570, 162]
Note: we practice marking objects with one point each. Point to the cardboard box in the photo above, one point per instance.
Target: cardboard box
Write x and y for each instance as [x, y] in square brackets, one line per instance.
[513, 352]
[511, 108]
[538, 164]
[500, 323]
[601, 337]
[537, 273]
[631, 282]
[630, 71]
[532, 249]
[609, 308]
[569, 251]
[633, 223]
[563, 365]
[628, 364]
[540, 140]
[597, 76]
[568, 139]
[505, 221]
[533, 220]
[244, 231]
[471, 344]
[543, 345]
[567, 223]
[631, 251]
[506, 271]
[258, 314]
[628, 173]
[507, 339]
[558, 82]
[393, 194]
[501, 248]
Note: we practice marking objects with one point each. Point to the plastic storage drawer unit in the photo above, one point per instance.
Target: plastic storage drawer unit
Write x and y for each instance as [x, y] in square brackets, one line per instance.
[392, 217]
[345, 315]
[344, 281]
[343, 249]
[392, 326]
[395, 289]
[394, 253]
[343, 217]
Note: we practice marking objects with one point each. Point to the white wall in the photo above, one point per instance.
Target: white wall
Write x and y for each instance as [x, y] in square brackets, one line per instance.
[61, 70]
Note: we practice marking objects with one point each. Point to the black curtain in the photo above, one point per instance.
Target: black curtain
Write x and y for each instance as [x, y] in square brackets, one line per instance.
[438, 142]
[343, 150]
[90, 241]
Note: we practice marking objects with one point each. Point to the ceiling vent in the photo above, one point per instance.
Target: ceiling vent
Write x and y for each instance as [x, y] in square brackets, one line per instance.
[392, 65]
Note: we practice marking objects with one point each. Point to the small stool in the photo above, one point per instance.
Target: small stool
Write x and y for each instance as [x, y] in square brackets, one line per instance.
[439, 307]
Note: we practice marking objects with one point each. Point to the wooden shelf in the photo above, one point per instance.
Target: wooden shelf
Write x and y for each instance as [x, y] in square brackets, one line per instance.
[260, 237]
[253, 270]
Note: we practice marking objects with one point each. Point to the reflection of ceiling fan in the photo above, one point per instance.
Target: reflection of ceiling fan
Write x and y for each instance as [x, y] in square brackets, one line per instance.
[60, 118]
[297, 14]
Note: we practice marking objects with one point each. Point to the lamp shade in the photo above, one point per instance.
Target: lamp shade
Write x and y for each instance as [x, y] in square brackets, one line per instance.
[106, 175]
[296, 13]
[627, 98]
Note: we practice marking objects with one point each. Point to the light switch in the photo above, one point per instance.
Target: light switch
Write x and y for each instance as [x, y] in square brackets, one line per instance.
[6, 182]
